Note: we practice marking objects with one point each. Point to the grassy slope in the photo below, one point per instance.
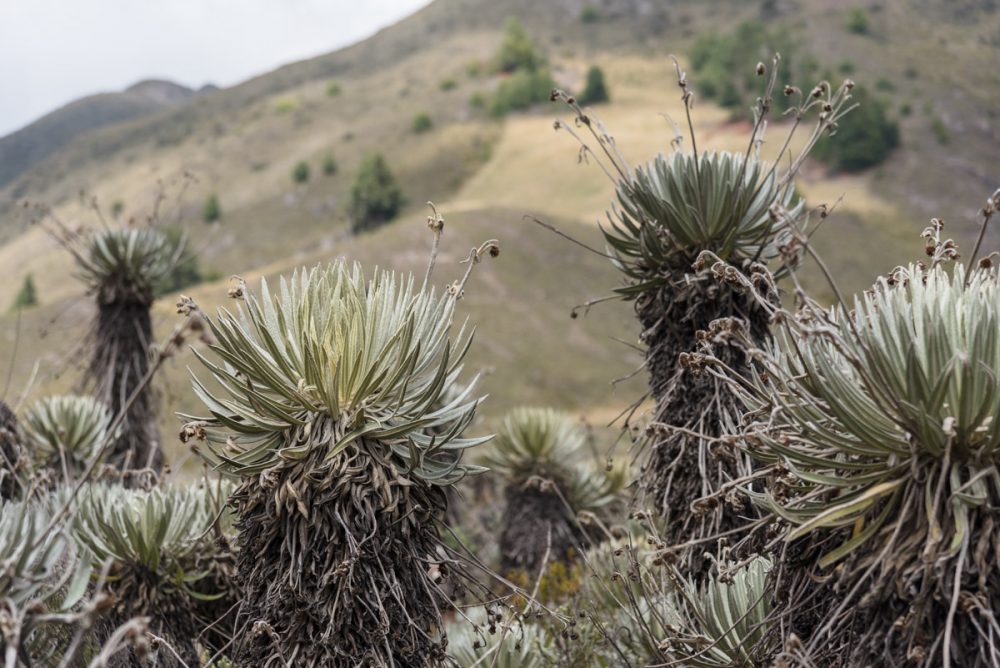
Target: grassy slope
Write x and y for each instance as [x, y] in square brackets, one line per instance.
[527, 346]
[243, 142]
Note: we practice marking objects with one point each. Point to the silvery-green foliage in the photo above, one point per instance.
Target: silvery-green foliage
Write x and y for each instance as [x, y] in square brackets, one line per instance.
[882, 425]
[532, 440]
[41, 570]
[157, 530]
[641, 610]
[39, 565]
[74, 427]
[125, 263]
[629, 604]
[883, 405]
[725, 620]
[680, 204]
[333, 358]
[596, 488]
[548, 444]
[471, 645]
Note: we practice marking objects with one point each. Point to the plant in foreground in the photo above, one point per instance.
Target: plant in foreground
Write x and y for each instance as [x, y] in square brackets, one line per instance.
[723, 623]
[326, 413]
[636, 609]
[550, 488]
[669, 215]
[161, 549]
[469, 645]
[880, 425]
[43, 574]
[615, 622]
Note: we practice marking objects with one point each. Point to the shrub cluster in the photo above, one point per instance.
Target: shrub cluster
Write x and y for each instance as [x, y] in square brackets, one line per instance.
[301, 172]
[422, 123]
[867, 137]
[527, 81]
[376, 197]
[211, 211]
[595, 91]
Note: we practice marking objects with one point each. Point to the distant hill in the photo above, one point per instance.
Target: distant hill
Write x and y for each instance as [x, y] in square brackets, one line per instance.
[23, 149]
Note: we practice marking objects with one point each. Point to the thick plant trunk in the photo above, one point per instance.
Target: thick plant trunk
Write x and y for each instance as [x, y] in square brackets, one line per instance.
[900, 611]
[531, 517]
[171, 617]
[10, 453]
[121, 357]
[684, 467]
[216, 614]
[338, 564]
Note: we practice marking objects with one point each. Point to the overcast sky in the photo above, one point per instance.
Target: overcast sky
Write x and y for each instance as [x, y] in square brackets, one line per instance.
[54, 51]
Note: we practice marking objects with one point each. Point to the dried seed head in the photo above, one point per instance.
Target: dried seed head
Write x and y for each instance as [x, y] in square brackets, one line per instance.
[435, 222]
[195, 430]
[186, 305]
[237, 287]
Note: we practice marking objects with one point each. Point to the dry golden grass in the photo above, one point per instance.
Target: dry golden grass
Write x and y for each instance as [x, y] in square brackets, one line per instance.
[536, 167]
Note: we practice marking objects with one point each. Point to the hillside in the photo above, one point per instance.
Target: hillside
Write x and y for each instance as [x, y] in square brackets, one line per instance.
[485, 174]
[25, 148]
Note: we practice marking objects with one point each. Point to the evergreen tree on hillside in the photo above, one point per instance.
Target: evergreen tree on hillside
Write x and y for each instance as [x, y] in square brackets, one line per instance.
[300, 173]
[864, 138]
[329, 165]
[522, 90]
[596, 90]
[517, 51]
[375, 196]
[27, 296]
[211, 212]
[724, 64]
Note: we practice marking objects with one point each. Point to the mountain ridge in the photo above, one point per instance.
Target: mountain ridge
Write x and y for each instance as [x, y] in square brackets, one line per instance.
[32, 144]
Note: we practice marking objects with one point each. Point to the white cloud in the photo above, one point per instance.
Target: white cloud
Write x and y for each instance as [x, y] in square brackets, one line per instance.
[54, 51]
